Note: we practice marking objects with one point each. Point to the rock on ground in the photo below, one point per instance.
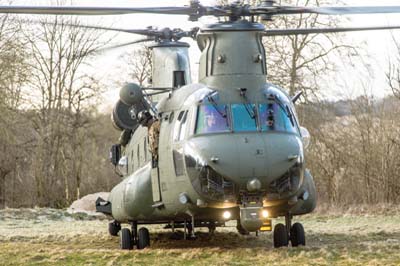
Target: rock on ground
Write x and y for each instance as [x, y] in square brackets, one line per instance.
[87, 204]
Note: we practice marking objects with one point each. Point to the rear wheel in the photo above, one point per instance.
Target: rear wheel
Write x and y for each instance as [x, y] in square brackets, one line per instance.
[280, 236]
[126, 239]
[297, 235]
[114, 228]
[143, 238]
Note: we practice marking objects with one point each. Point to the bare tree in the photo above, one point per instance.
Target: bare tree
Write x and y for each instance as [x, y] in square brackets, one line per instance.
[297, 62]
[393, 73]
[13, 74]
[59, 53]
[139, 64]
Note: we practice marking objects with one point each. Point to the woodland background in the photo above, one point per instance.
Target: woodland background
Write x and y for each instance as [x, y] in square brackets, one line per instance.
[55, 140]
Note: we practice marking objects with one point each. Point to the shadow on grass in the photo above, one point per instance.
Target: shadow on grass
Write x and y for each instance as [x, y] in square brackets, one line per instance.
[230, 240]
[222, 240]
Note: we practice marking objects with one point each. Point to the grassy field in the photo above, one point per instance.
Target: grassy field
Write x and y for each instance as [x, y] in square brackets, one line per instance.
[49, 237]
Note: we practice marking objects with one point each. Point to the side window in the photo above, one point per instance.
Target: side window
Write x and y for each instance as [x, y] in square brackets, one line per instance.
[182, 129]
[180, 126]
[132, 164]
[171, 117]
[138, 156]
[178, 162]
[145, 149]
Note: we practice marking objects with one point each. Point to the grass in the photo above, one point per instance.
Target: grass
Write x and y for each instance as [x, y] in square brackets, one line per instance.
[331, 240]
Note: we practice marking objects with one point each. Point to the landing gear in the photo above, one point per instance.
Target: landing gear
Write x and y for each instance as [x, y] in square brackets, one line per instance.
[140, 239]
[297, 235]
[284, 233]
[143, 238]
[188, 231]
[126, 239]
[114, 228]
[280, 236]
[211, 229]
[240, 229]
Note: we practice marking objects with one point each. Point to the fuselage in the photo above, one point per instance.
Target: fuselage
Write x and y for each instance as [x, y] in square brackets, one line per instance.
[231, 142]
[210, 150]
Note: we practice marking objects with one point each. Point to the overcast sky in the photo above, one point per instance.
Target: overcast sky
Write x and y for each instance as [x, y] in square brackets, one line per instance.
[378, 44]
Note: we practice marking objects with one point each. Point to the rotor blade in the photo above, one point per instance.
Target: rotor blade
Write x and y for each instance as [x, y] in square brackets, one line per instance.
[196, 10]
[108, 48]
[133, 31]
[284, 32]
[93, 11]
[345, 10]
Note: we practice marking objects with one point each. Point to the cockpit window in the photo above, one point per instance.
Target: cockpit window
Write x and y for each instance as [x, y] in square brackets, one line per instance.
[244, 117]
[276, 117]
[180, 126]
[212, 118]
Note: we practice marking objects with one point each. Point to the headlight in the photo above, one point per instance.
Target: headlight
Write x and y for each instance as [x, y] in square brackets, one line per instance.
[264, 214]
[227, 215]
[122, 166]
[305, 135]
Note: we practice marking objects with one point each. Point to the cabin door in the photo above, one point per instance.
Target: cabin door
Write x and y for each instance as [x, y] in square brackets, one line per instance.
[162, 173]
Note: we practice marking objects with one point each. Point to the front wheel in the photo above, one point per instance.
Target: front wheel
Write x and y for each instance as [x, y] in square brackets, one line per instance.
[241, 230]
[280, 236]
[297, 235]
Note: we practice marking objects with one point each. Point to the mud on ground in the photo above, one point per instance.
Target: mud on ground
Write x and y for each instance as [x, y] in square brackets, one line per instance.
[54, 237]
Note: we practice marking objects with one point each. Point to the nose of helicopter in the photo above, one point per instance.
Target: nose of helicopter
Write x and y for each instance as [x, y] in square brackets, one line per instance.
[243, 157]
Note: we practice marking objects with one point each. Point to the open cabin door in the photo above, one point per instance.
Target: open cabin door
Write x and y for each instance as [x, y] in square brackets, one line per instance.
[161, 170]
[155, 184]
[154, 143]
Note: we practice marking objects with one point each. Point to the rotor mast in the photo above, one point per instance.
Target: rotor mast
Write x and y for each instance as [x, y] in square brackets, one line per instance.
[233, 55]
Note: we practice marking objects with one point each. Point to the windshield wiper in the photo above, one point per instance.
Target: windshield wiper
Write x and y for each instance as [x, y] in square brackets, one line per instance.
[284, 107]
[252, 112]
[215, 105]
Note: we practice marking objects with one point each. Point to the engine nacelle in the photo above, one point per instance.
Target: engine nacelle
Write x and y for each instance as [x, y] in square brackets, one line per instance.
[123, 117]
[131, 103]
[131, 94]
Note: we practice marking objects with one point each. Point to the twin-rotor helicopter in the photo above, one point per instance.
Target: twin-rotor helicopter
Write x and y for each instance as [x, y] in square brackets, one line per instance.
[229, 147]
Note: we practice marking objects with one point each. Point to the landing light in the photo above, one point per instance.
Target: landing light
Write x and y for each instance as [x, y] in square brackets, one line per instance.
[227, 215]
[264, 214]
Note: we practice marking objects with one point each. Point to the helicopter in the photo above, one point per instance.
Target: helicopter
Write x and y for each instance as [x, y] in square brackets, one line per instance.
[229, 147]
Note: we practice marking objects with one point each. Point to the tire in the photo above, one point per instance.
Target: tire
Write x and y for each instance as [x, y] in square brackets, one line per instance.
[114, 228]
[297, 235]
[143, 238]
[241, 230]
[280, 236]
[126, 239]
[211, 229]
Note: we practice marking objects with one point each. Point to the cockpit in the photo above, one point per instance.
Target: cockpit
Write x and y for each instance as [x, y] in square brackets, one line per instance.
[270, 114]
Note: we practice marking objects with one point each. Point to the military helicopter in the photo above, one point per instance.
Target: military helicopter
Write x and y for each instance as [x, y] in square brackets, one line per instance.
[229, 147]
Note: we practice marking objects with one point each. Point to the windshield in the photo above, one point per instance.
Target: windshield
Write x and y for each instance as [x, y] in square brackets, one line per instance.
[239, 117]
[212, 118]
[243, 118]
[274, 117]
